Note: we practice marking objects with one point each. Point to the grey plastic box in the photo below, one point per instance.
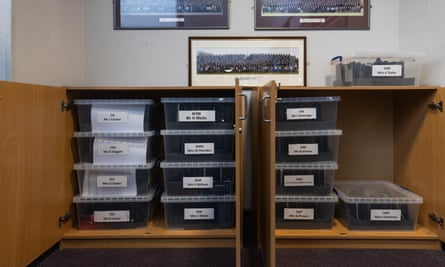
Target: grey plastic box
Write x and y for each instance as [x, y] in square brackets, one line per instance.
[199, 145]
[100, 213]
[117, 148]
[304, 146]
[376, 205]
[304, 212]
[199, 212]
[199, 178]
[307, 113]
[364, 69]
[115, 180]
[117, 115]
[199, 113]
[308, 178]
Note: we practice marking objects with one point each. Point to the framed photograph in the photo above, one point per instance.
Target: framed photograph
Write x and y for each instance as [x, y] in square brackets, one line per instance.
[215, 61]
[171, 14]
[312, 14]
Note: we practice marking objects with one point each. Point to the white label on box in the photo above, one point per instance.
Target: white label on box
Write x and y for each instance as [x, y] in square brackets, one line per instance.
[386, 215]
[301, 114]
[112, 117]
[196, 115]
[199, 148]
[302, 149]
[112, 216]
[113, 149]
[298, 214]
[111, 181]
[197, 182]
[298, 180]
[199, 214]
[387, 70]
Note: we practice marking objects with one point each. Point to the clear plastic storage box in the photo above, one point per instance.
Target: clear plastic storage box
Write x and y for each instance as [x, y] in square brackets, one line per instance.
[199, 212]
[376, 205]
[306, 113]
[115, 180]
[304, 146]
[199, 145]
[117, 148]
[377, 69]
[199, 178]
[114, 212]
[116, 115]
[304, 212]
[309, 178]
[199, 113]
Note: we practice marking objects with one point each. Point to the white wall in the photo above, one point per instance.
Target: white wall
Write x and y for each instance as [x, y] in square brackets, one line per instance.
[422, 29]
[159, 57]
[48, 42]
[5, 39]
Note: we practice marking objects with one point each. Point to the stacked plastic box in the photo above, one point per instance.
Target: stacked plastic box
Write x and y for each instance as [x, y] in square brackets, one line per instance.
[199, 164]
[117, 147]
[376, 205]
[306, 160]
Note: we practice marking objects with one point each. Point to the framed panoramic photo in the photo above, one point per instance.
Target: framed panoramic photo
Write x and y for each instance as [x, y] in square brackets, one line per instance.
[171, 14]
[255, 61]
[312, 14]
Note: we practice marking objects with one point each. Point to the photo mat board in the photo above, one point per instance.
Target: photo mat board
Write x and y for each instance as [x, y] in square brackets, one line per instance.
[171, 14]
[312, 14]
[218, 61]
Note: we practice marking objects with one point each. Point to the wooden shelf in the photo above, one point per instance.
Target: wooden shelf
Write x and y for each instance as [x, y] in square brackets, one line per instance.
[340, 237]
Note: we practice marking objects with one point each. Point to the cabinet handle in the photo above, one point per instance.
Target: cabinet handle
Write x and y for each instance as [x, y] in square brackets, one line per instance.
[244, 107]
[265, 100]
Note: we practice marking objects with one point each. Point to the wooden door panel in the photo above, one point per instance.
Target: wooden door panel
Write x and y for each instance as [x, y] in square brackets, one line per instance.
[266, 197]
[438, 167]
[34, 166]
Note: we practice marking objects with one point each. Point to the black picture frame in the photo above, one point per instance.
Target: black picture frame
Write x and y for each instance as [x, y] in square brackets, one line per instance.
[170, 14]
[304, 15]
[218, 61]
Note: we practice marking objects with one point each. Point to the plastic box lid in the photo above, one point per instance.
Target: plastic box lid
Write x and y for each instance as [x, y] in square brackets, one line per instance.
[196, 199]
[217, 164]
[332, 198]
[198, 132]
[113, 102]
[316, 165]
[115, 134]
[308, 133]
[91, 166]
[370, 57]
[198, 100]
[374, 191]
[109, 199]
[309, 99]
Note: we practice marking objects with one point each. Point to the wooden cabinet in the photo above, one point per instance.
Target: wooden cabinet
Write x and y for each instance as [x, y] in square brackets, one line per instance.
[389, 133]
[37, 181]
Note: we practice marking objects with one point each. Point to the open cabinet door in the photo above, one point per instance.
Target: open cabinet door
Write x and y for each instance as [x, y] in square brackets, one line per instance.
[437, 215]
[35, 166]
[266, 195]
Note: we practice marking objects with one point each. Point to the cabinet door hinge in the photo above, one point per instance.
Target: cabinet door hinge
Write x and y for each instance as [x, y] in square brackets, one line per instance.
[433, 217]
[65, 106]
[64, 219]
[436, 106]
